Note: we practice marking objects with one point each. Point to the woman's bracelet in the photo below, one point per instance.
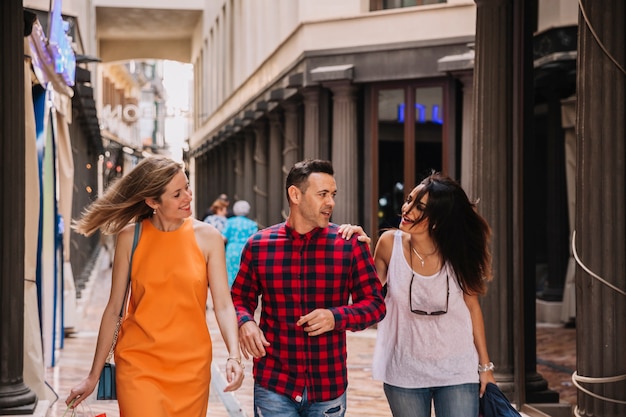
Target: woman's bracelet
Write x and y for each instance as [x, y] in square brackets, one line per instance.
[238, 360]
[486, 367]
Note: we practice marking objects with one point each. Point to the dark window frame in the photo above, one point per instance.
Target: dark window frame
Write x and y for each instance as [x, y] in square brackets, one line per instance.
[376, 5]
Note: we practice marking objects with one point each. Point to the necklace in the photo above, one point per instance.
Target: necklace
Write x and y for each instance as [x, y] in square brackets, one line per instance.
[418, 256]
[422, 260]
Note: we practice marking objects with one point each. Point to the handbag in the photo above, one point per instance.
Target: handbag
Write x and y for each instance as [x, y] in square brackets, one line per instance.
[106, 383]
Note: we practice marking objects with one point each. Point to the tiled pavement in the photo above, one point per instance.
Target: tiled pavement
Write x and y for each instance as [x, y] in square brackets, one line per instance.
[555, 354]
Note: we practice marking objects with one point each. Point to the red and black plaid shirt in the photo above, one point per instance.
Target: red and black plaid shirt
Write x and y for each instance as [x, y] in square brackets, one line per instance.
[296, 274]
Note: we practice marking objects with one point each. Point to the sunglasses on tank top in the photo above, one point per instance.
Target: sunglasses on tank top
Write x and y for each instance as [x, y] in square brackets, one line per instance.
[428, 313]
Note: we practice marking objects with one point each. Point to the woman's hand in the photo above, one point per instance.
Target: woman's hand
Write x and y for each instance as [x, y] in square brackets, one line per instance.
[80, 392]
[234, 374]
[485, 378]
[347, 230]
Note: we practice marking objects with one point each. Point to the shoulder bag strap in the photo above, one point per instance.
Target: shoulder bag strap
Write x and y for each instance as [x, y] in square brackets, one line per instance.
[130, 265]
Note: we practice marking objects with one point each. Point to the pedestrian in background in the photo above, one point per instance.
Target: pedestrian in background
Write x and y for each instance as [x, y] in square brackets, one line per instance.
[315, 283]
[224, 198]
[236, 232]
[163, 350]
[218, 211]
[431, 346]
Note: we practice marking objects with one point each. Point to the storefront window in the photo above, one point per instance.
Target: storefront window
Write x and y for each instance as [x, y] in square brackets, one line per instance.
[406, 152]
[428, 130]
[390, 159]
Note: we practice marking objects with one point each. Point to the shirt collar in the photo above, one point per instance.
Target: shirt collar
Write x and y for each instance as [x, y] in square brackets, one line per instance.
[295, 235]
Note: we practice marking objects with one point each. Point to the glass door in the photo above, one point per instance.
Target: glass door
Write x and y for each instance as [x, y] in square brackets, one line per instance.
[405, 152]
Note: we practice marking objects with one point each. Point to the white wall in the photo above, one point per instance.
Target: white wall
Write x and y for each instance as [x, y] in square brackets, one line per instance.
[555, 13]
[328, 9]
[151, 4]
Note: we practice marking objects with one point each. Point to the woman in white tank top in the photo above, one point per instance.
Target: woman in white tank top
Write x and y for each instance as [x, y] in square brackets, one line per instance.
[431, 345]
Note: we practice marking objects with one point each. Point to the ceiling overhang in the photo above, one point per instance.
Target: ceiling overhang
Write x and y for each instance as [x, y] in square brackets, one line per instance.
[144, 33]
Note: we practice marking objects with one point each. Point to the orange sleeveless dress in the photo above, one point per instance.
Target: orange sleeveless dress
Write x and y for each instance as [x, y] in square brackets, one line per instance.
[163, 354]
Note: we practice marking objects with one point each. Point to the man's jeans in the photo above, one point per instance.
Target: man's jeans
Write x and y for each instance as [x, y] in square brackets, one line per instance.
[452, 401]
[270, 404]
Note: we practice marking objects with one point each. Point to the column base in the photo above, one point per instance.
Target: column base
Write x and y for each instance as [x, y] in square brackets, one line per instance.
[40, 411]
[536, 388]
[17, 399]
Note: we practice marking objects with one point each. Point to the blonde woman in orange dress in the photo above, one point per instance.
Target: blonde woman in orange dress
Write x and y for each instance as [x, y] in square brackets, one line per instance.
[163, 353]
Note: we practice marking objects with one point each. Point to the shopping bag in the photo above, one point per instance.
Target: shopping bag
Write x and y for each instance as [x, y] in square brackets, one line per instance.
[71, 411]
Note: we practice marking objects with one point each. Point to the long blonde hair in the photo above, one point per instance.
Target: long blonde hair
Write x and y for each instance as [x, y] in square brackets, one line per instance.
[125, 200]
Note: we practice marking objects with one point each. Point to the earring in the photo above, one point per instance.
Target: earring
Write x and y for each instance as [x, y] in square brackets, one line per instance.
[154, 211]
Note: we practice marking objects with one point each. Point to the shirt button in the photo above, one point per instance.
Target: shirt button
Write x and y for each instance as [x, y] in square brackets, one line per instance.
[298, 398]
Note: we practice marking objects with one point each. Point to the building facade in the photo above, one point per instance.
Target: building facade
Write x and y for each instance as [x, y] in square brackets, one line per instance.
[334, 81]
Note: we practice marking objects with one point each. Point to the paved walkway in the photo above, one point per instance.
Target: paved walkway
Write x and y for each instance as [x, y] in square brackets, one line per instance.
[365, 396]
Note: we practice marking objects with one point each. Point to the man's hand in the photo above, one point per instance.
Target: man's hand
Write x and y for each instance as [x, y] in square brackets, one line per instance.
[252, 340]
[317, 322]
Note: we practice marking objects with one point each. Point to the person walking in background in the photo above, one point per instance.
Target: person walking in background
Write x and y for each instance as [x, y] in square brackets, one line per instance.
[218, 211]
[236, 232]
[315, 283]
[431, 346]
[224, 198]
[163, 350]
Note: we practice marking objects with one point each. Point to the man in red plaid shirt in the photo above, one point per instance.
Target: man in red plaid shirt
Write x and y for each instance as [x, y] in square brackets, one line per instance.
[315, 283]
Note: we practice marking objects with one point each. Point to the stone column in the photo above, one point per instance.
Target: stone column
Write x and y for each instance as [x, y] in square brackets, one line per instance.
[467, 148]
[261, 173]
[222, 167]
[291, 148]
[231, 156]
[276, 192]
[311, 146]
[491, 174]
[502, 94]
[345, 152]
[557, 244]
[212, 172]
[248, 171]
[202, 184]
[600, 228]
[209, 171]
[15, 396]
[239, 157]
[568, 123]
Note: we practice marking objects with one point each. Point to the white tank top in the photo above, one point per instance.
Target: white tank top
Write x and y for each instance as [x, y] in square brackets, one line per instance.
[419, 351]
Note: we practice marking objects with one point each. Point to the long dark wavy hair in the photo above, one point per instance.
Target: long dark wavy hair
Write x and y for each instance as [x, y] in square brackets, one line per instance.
[459, 232]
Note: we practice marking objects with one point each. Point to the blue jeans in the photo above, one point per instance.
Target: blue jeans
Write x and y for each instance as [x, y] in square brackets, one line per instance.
[451, 401]
[270, 404]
